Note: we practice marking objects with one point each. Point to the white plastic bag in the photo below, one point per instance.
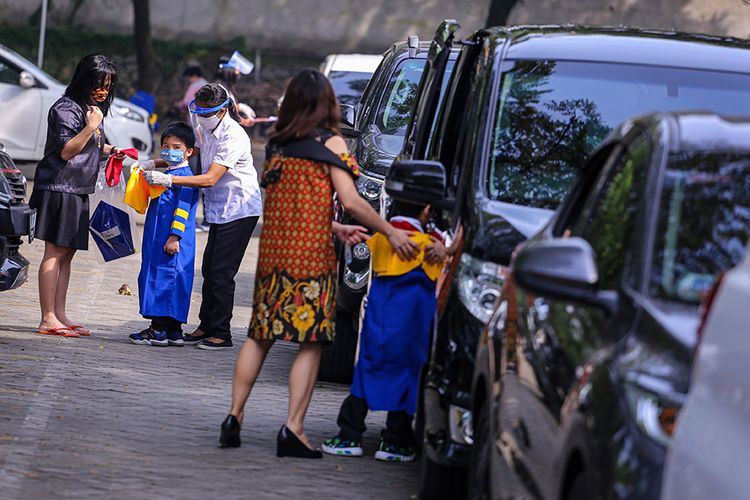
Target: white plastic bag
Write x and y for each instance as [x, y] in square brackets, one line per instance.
[113, 196]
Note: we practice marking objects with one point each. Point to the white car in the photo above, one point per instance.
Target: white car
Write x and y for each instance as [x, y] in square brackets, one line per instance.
[349, 74]
[712, 435]
[27, 93]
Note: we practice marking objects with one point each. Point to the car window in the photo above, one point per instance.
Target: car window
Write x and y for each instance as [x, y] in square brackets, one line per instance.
[398, 101]
[552, 114]
[609, 213]
[349, 85]
[703, 223]
[8, 73]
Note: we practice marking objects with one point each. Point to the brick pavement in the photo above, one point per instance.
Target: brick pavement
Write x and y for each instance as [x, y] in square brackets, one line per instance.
[99, 417]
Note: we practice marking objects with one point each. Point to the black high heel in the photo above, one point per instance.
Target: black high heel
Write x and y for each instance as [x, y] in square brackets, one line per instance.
[230, 433]
[289, 445]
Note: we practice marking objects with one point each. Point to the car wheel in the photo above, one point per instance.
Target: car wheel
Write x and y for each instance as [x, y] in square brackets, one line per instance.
[441, 482]
[479, 470]
[337, 362]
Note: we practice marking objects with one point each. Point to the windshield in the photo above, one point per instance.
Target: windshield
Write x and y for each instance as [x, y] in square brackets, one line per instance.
[349, 85]
[396, 107]
[703, 225]
[552, 114]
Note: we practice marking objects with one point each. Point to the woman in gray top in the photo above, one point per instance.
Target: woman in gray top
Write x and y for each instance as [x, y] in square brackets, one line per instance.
[64, 179]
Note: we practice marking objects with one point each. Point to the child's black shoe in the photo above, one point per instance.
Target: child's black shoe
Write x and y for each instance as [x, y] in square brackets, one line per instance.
[392, 453]
[159, 339]
[175, 338]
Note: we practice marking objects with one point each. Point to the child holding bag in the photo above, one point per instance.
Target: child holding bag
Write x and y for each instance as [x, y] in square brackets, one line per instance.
[165, 282]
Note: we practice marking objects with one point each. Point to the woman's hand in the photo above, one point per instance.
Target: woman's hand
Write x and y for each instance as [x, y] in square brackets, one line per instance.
[405, 248]
[349, 234]
[436, 253]
[173, 245]
[94, 117]
[156, 178]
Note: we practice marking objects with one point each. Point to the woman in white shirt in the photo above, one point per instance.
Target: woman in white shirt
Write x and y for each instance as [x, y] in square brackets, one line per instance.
[233, 206]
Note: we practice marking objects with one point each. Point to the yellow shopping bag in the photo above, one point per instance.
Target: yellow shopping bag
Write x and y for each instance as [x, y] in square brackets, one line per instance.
[138, 191]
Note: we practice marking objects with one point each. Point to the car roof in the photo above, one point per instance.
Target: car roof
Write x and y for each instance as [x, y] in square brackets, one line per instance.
[711, 132]
[362, 63]
[624, 45]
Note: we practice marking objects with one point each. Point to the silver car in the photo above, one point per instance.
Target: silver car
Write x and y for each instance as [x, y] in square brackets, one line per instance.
[27, 93]
[705, 456]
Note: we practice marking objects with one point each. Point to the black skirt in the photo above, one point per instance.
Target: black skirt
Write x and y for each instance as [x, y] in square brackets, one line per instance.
[62, 218]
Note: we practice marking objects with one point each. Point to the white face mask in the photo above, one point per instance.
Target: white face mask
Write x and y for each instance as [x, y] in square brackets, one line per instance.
[208, 123]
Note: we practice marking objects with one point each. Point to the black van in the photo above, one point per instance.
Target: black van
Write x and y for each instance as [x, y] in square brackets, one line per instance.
[525, 107]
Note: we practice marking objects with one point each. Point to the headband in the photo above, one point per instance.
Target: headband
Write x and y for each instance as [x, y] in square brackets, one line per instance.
[197, 110]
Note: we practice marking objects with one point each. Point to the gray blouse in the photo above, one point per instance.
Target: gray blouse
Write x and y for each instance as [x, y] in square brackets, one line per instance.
[77, 175]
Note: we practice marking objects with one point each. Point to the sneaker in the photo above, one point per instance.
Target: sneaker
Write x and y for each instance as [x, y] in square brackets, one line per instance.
[202, 228]
[175, 338]
[160, 339]
[342, 447]
[195, 339]
[215, 346]
[142, 338]
[392, 453]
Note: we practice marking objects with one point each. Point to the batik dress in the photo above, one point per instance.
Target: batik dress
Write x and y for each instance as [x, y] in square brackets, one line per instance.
[295, 283]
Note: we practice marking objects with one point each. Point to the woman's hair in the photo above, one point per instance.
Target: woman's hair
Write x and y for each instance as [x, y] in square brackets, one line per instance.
[214, 94]
[309, 104]
[181, 131]
[90, 74]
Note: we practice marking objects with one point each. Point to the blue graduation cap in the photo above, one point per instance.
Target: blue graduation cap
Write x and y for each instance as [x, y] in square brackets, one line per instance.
[110, 228]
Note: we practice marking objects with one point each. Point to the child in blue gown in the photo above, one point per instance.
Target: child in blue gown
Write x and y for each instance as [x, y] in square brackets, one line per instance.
[394, 342]
[165, 282]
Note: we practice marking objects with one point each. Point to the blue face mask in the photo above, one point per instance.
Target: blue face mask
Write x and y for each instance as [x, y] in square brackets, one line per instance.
[173, 156]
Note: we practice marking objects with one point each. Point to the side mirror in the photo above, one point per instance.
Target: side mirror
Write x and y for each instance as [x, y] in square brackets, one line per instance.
[564, 268]
[26, 80]
[418, 181]
[348, 115]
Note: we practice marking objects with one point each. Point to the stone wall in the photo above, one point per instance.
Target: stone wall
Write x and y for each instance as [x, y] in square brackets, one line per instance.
[303, 26]
[720, 17]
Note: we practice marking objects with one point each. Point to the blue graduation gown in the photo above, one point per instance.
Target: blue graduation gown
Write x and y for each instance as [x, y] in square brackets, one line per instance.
[165, 282]
[395, 340]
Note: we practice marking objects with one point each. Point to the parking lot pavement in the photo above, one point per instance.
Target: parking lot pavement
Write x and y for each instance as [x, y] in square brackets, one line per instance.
[95, 417]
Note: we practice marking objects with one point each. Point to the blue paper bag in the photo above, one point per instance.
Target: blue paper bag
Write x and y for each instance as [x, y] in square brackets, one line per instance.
[110, 228]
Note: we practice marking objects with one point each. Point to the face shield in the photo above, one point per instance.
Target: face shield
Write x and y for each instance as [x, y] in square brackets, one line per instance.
[205, 118]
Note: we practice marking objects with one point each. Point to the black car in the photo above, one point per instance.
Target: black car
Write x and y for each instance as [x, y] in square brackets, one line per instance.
[523, 110]
[16, 220]
[581, 372]
[376, 128]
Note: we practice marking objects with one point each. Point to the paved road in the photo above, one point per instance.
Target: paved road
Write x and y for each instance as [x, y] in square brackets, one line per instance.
[96, 417]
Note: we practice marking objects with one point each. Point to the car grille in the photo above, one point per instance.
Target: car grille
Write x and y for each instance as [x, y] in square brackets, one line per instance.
[14, 177]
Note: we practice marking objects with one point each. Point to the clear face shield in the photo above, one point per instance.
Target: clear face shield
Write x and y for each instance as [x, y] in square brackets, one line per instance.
[205, 119]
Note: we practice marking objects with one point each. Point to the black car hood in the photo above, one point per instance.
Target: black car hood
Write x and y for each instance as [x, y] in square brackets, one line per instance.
[502, 226]
[376, 151]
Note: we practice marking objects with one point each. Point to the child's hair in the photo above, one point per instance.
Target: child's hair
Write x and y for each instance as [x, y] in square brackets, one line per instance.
[406, 209]
[214, 94]
[180, 130]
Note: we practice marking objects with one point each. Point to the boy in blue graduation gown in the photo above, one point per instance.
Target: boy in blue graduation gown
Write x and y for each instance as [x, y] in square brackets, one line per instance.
[165, 282]
[394, 342]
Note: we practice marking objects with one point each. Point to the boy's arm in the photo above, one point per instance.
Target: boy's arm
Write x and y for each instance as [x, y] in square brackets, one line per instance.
[182, 212]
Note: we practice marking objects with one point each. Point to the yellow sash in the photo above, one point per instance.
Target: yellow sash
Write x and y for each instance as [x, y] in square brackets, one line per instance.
[138, 191]
[385, 262]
